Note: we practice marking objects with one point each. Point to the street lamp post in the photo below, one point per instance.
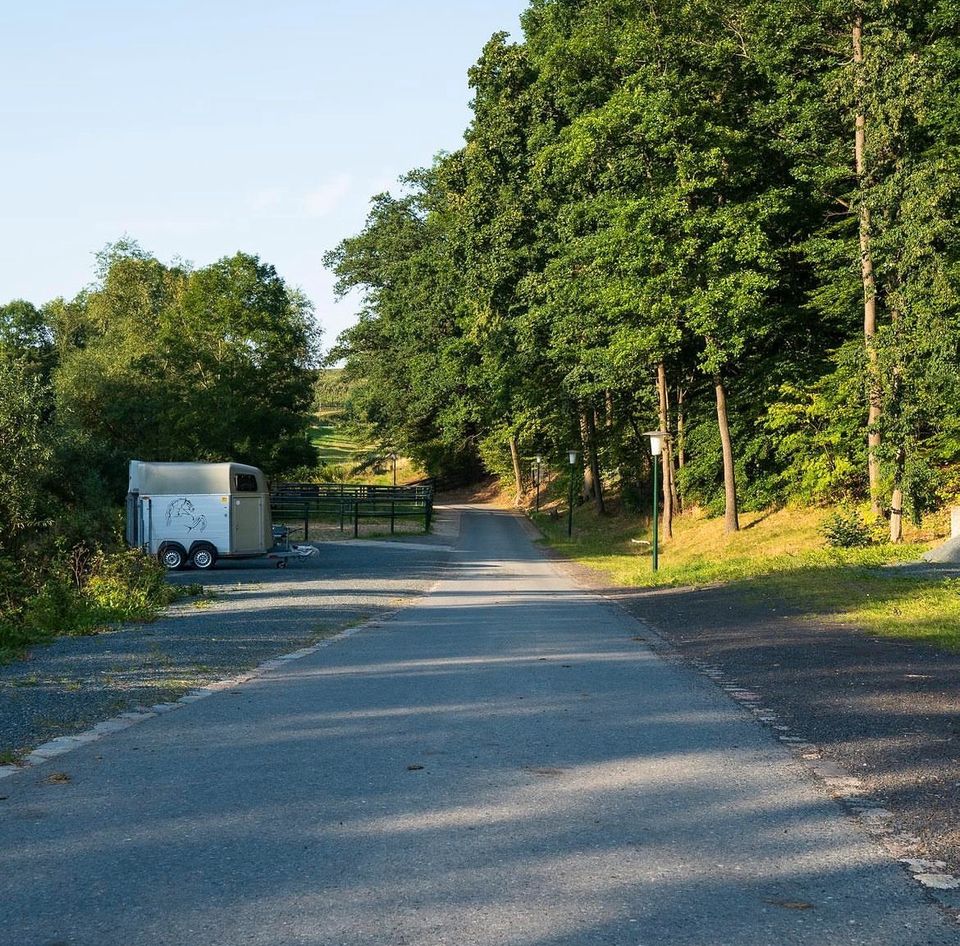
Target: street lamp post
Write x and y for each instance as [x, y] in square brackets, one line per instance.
[572, 457]
[539, 461]
[657, 438]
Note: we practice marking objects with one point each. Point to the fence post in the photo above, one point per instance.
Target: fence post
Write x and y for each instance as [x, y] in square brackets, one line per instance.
[427, 513]
[306, 522]
[341, 507]
[356, 518]
[392, 513]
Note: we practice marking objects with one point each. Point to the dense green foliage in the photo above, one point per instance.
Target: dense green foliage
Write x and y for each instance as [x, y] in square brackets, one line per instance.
[152, 362]
[756, 197]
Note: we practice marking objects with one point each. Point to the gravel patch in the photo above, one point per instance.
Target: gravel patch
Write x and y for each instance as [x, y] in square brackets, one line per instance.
[255, 611]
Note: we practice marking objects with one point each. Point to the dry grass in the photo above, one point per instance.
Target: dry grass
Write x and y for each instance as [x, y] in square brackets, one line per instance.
[700, 552]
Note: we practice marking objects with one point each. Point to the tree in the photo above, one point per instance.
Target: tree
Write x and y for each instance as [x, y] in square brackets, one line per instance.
[162, 363]
[866, 102]
[25, 336]
[411, 363]
[26, 451]
[749, 206]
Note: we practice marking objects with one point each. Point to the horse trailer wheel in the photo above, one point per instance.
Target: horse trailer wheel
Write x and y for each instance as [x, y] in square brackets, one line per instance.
[203, 557]
[171, 558]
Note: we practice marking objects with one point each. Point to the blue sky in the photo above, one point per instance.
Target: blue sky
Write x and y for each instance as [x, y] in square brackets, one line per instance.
[201, 128]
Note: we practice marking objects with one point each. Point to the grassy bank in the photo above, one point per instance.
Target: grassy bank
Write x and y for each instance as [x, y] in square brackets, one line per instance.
[779, 554]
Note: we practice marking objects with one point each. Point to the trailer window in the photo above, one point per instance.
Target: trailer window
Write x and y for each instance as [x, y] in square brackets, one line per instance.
[244, 483]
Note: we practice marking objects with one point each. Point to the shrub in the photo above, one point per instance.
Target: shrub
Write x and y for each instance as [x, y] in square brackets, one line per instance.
[82, 592]
[58, 608]
[846, 529]
[14, 588]
[127, 586]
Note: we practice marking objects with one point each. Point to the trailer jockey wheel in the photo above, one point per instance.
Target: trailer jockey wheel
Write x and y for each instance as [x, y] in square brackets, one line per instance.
[281, 563]
[203, 557]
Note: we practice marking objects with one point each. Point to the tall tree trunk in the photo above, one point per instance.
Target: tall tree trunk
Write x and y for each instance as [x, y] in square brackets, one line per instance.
[896, 499]
[665, 460]
[731, 521]
[586, 487]
[674, 491]
[681, 430]
[866, 273]
[592, 483]
[681, 453]
[672, 464]
[517, 476]
[896, 502]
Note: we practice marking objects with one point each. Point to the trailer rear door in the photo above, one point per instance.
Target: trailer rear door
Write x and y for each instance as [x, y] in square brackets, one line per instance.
[246, 524]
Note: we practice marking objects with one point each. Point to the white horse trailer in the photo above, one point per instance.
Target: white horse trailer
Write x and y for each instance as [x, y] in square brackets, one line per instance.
[198, 512]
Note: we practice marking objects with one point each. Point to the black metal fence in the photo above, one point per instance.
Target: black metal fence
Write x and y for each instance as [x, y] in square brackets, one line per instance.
[347, 504]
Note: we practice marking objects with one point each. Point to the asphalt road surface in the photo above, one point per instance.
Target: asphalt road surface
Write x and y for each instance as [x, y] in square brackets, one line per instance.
[501, 764]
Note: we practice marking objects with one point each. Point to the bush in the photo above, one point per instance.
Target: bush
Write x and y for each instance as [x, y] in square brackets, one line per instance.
[14, 589]
[127, 586]
[318, 473]
[846, 529]
[58, 608]
[82, 592]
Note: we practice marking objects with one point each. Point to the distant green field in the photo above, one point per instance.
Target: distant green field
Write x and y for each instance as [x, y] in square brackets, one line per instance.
[333, 445]
[336, 448]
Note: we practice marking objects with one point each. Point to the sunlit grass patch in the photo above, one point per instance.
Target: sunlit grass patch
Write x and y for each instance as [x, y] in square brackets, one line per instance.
[349, 459]
[907, 607]
[333, 444]
[779, 553]
[700, 552]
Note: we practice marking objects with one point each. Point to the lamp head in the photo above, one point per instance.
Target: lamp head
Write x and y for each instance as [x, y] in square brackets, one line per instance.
[657, 439]
[572, 456]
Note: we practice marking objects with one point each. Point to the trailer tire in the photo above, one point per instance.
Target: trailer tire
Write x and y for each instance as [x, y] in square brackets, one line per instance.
[172, 556]
[203, 556]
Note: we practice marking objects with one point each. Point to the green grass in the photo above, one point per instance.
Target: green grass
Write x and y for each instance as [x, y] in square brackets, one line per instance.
[905, 607]
[333, 445]
[338, 448]
[779, 554]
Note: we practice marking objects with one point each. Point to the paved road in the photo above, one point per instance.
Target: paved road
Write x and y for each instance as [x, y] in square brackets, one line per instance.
[500, 765]
[258, 612]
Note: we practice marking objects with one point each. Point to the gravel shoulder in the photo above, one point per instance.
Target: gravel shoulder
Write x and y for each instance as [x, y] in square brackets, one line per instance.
[883, 711]
[252, 612]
